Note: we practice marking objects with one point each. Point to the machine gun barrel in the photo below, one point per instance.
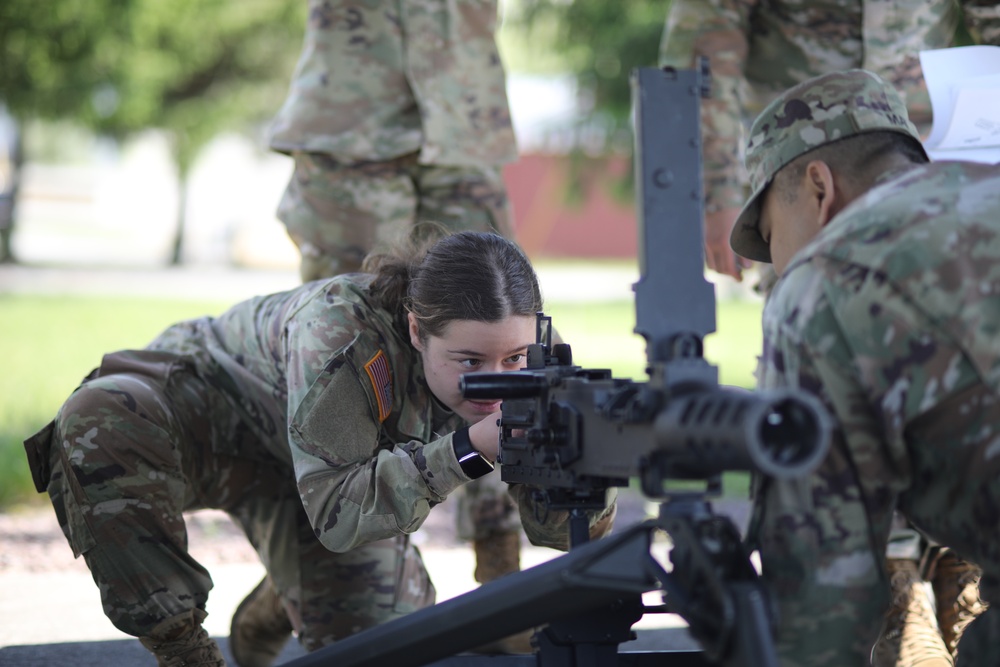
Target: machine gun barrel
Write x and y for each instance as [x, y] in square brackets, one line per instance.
[780, 434]
[572, 428]
[501, 385]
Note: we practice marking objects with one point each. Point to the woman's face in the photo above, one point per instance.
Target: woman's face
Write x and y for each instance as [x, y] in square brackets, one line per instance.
[469, 346]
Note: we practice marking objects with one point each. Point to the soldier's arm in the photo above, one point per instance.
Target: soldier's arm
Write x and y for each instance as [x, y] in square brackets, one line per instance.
[355, 487]
[822, 539]
[355, 491]
[550, 528]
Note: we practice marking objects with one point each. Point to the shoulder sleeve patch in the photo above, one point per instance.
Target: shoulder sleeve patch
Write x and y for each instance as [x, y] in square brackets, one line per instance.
[381, 378]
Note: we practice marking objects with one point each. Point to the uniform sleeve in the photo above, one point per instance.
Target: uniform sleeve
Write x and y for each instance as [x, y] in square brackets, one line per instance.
[355, 487]
[546, 528]
[822, 539]
[982, 17]
[718, 30]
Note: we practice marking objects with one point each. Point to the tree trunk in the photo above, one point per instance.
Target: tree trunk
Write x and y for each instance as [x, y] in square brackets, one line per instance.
[177, 253]
[14, 148]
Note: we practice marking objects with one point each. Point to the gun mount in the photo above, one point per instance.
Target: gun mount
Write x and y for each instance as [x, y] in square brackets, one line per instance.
[573, 433]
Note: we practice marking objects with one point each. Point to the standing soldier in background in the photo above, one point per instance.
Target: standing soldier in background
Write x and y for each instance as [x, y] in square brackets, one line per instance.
[397, 116]
[756, 50]
[11, 157]
[759, 48]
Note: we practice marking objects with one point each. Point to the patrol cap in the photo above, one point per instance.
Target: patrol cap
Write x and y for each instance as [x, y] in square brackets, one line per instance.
[815, 112]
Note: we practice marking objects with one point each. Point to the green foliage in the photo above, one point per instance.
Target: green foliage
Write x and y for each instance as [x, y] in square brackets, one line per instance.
[600, 43]
[193, 67]
[601, 336]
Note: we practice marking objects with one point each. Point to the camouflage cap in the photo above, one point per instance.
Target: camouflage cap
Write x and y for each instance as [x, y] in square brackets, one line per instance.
[815, 112]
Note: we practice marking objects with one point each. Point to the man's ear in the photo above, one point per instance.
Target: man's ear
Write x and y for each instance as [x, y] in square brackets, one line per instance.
[414, 328]
[822, 190]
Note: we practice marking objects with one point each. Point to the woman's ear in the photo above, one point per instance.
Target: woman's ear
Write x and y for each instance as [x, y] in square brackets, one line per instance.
[414, 327]
[822, 189]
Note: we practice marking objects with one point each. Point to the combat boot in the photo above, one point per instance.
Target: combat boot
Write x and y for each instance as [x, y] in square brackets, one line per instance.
[956, 590]
[182, 642]
[910, 634]
[498, 555]
[260, 627]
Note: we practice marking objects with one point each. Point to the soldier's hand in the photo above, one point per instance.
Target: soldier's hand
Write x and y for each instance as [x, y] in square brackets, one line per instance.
[718, 254]
[485, 435]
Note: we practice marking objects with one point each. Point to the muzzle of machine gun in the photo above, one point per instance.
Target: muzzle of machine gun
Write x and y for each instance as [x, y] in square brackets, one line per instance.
[782, 434]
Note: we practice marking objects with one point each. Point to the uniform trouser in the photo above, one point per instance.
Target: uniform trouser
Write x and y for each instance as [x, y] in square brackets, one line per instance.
[336, 213]
[131, 451]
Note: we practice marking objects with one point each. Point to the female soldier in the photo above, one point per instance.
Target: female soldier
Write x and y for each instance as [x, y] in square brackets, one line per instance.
[325, 420]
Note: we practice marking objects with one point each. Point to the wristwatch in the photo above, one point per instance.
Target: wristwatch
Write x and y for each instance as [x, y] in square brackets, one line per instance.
[474, 464]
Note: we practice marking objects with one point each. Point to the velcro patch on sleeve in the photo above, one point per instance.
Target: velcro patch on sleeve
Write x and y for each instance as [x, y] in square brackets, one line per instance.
[378, 372]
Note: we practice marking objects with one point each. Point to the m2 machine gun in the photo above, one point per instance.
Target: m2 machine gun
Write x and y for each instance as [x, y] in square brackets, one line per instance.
[574, 433]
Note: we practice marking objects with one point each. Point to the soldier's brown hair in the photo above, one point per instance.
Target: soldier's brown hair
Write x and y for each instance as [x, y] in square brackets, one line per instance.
[463, 276]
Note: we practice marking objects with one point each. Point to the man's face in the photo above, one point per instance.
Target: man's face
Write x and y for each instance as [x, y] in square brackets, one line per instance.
[787, 224]
[469, 346]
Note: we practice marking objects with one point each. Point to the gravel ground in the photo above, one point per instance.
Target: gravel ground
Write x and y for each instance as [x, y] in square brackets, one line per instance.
[31, 541]
[48, 599]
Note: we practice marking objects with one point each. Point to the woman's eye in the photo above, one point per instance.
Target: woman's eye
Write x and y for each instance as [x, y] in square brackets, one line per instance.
[471, 363]
[515, 358]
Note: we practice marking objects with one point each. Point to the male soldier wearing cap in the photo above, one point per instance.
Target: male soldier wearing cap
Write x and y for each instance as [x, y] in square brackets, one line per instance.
[887, 308]
[759, 48]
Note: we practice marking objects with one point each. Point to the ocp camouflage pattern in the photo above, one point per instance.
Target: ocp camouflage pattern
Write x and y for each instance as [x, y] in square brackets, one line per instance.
[377, 80]
[891, 315]
[819, 111]
[337, 213]
[758, 48]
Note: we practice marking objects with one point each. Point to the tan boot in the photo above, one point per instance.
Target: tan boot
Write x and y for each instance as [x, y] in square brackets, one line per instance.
[496, 556]
[956, 590]
[182, 642]
[260, 627]
[910, 634]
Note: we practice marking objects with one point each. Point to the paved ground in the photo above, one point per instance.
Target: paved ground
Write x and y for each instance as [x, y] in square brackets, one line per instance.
[50, 613]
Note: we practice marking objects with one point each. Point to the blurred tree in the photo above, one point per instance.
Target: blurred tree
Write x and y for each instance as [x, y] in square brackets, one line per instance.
[190, 67]
[11, 158]
[600, 42]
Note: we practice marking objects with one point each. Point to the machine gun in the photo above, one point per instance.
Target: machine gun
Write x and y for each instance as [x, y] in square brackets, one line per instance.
[573, 433]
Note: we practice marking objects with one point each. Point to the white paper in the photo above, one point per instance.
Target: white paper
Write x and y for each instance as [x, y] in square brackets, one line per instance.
[964, 87]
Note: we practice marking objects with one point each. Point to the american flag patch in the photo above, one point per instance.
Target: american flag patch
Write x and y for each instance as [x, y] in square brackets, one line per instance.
[378, 371]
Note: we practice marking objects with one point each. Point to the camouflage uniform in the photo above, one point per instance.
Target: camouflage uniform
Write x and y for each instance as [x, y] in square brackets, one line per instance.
[397, 114]
[759, 48]
[890, 316]
[306, 417]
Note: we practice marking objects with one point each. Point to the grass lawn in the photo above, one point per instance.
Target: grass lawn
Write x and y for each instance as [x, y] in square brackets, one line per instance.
[52, 342]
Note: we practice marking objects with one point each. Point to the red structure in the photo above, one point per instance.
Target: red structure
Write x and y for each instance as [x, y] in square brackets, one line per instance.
[549, 224]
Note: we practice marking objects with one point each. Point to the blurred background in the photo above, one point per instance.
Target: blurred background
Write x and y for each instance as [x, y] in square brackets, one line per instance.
[137, 189]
